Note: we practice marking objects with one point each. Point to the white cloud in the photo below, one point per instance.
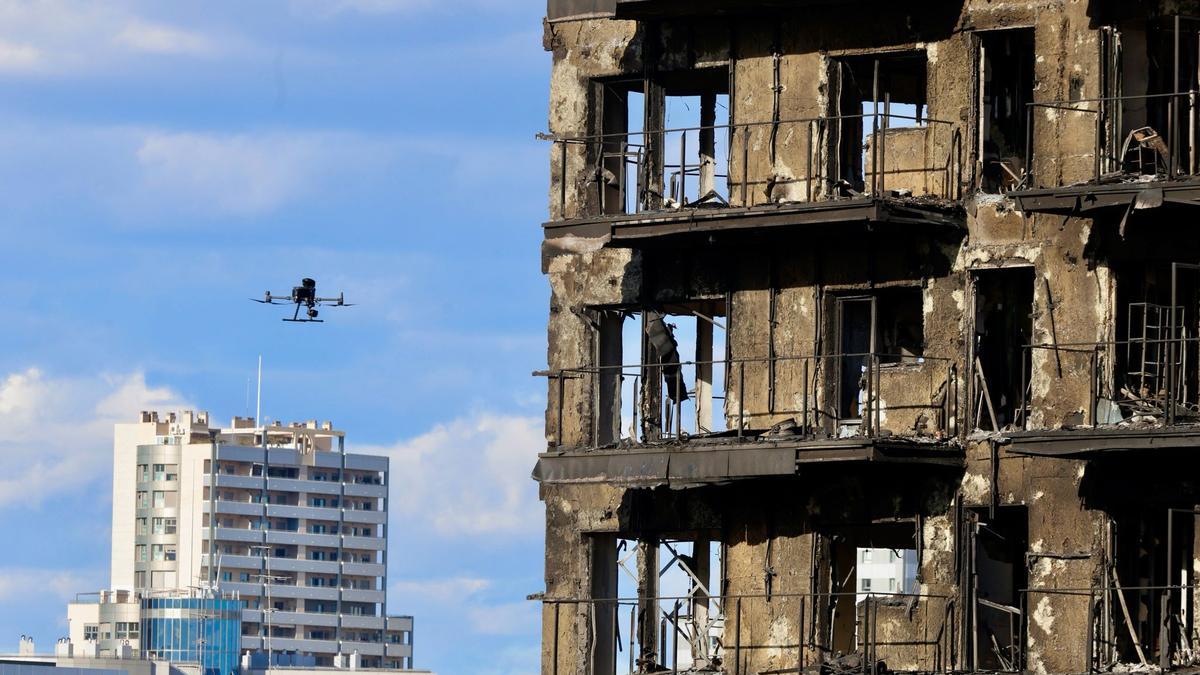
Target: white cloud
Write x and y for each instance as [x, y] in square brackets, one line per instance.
[58, 431]
[324, 9]
[468, 477]
[59, 37]
[18, 584]
[379, 6]
[456, 590]
[156, 38]
[238, 174]
[330, 8]
[508, 618]
[163, 177]
[17, 57]
[469, 597]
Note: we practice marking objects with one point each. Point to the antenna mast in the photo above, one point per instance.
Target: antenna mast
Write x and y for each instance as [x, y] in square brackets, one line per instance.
[258, 400]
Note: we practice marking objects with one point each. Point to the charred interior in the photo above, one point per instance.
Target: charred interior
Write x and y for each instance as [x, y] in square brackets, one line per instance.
[874, 337]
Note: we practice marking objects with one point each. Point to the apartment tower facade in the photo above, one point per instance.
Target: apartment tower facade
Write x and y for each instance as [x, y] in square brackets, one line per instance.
[836, 275]
[281, 516]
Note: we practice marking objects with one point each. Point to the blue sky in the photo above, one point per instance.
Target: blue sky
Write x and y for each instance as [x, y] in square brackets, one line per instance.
[160, 163]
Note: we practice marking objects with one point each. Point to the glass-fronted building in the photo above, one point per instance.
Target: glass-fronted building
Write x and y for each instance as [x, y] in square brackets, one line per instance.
[193, 629]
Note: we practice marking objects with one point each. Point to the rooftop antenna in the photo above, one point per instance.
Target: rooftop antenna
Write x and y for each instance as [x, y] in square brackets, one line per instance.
[258, 402]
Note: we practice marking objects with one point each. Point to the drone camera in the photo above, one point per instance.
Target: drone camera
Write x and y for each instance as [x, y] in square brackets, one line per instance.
[312, 313]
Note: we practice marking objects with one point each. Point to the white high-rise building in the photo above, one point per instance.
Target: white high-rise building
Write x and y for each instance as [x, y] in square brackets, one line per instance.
[886, 571]
[294, 525]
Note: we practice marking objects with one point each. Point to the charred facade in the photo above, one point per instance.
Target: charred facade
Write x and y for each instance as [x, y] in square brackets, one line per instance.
[834, 277]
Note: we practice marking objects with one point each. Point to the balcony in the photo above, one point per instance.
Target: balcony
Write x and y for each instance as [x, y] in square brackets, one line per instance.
[236, 508]
[282, 618]
[1139, 153]
[364, 543]
[907, 631]
[367, 462]
[235, 481]
[356, 621]
[303, 485]
[1089, 399]
[398, 650]
[779, 414]
[302, 511]
[363, 595]
[279, 644]
[400, 623]
[365, 490]
[363, 516]
[883, 167]
[363, 569]
[302, 538]
[239, 534]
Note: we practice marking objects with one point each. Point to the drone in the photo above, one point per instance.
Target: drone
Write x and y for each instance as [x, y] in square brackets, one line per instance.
[304, 295]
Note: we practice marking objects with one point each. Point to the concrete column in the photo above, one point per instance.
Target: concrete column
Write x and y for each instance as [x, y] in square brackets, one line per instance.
[702, 555]
[704, 377]
[708, 146]
[647, 590]
[604, 614]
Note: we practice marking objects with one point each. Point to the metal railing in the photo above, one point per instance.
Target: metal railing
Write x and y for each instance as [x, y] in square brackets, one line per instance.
[1157, 149]
[632, 171]
[1110, 609]
[819, 402]
[702, 633]
[1118, 386]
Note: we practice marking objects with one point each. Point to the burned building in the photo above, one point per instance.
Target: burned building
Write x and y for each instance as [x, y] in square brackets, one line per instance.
[836, 281]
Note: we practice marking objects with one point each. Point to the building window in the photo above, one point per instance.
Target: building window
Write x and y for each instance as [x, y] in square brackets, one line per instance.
[143, 473]
[866, 584]
[157, 552]
[127, 630]
[244, 577]
[867, 555]
[892, 584]
[166, 472]
[141, 525]
[170, 551]
[164, 526]
[143, 499]
[160, 499]
[139, 553]
[226, 576]
[91, 631]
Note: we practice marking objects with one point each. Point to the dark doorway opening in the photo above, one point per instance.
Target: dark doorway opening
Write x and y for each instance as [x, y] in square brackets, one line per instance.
[1003, 326]
[1001, 541]
[1006, 86]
